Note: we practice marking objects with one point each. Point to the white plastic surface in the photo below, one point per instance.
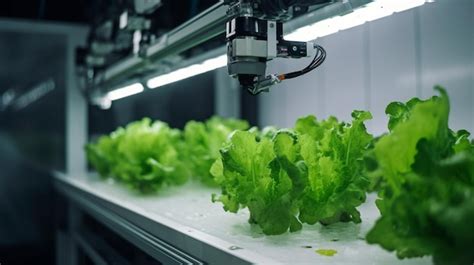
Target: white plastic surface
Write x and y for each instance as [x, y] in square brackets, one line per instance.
[190, 205]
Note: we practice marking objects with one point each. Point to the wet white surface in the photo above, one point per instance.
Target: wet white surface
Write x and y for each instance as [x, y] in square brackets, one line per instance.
[190, 206]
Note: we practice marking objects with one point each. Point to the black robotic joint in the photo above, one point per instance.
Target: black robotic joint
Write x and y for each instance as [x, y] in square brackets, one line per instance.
[246, 27]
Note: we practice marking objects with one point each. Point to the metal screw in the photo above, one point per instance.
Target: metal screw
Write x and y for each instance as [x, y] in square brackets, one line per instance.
[294, 48]
[271, 25]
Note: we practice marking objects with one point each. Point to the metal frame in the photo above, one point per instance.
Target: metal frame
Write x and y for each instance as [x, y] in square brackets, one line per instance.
[102, 212]
[162, 239]
[150, 244]
[203, 27]
[88, 249]
[195, 31]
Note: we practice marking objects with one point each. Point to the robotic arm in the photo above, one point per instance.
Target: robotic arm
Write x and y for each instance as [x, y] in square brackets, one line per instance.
[254, 35]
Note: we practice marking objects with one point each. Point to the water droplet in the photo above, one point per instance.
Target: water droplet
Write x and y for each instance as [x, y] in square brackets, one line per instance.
[234, 248]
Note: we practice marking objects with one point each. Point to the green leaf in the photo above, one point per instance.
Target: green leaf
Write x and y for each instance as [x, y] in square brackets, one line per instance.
[427, 200]
[143, 155]
[203, 141]
[285, 177]
[333, 153]
[251, 176]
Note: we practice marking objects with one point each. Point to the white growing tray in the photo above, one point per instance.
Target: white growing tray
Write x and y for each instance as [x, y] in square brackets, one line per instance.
[189, 213]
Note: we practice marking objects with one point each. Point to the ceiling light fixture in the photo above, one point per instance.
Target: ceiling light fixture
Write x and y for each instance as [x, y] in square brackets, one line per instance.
[370, 12]
[125, 91]
[189, 71]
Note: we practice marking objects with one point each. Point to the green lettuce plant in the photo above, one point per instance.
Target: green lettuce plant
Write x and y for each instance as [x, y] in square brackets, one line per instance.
[313, 173]
[143, 155]
[427, 192]
[202, 142]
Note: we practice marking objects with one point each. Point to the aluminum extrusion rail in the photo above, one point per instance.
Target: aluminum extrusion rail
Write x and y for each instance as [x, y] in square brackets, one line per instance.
[195, 31]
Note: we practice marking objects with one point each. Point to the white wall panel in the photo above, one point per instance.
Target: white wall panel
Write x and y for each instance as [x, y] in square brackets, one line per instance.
[345, 69]
[227, 94]
[306, 92]
[472, 74]
[272, 106]
[293, 98]
[447, 56]
[392, 64]
[391, 59]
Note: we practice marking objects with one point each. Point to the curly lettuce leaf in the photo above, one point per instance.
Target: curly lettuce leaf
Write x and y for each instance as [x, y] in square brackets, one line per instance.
[143, 155]
[101, 154]
[285, 177]
[333, 153]
[203, 141]
[427, 199]
[251, 175]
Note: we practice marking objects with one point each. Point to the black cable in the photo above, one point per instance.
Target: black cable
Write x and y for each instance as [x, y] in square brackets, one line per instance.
[315, 63]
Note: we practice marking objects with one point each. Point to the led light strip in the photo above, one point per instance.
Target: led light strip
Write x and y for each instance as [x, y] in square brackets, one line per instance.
[192, 70]
[125, 91]
[370, 12]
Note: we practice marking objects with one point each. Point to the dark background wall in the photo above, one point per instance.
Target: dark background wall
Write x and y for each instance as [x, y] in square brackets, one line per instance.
[31, 143]
[37, 129]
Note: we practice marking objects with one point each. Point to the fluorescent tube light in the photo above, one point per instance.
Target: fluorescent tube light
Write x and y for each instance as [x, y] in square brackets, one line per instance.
[302, 34]
[125, 91]
[370, 12]
[350, 20]
[326, 27]
[402, 5]
[186, 72]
